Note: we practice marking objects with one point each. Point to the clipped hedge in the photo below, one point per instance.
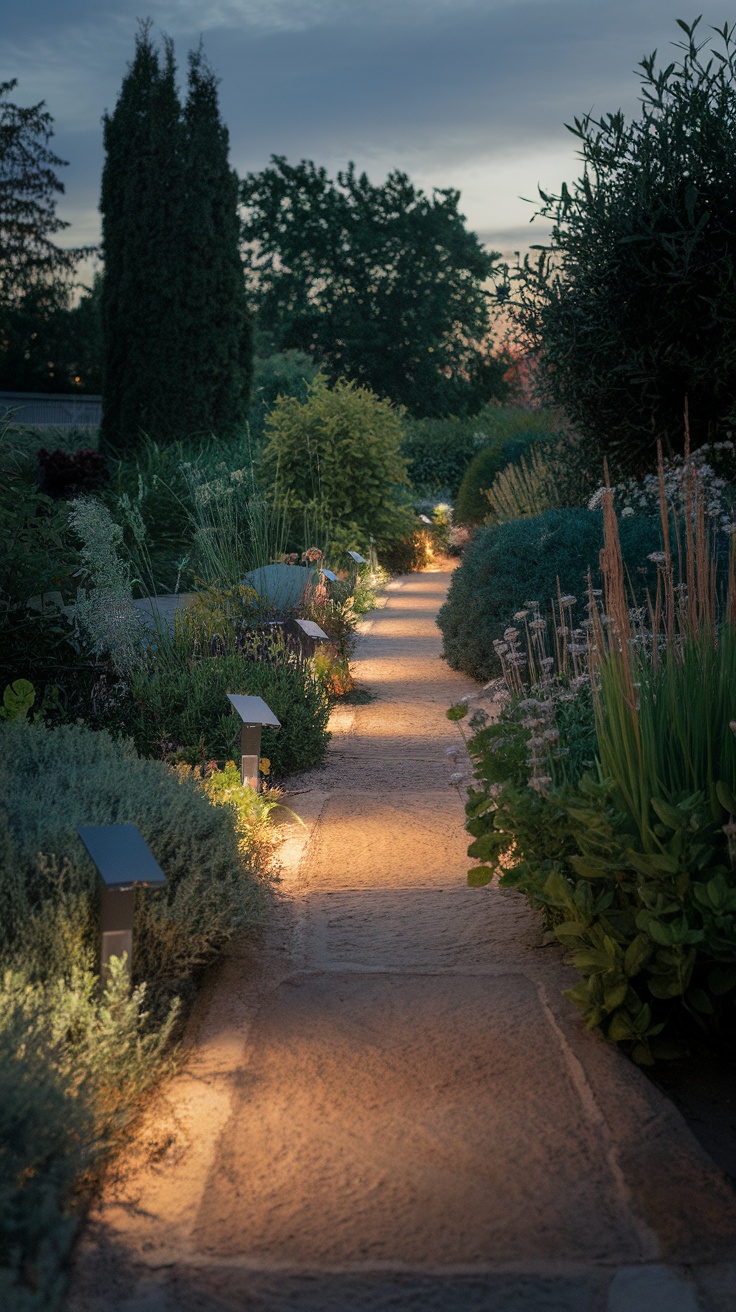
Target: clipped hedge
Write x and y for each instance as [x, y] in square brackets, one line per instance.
[471, 506]
[186, 710]
[513, 563]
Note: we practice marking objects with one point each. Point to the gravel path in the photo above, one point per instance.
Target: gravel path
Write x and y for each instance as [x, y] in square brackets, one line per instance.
[389, 1104]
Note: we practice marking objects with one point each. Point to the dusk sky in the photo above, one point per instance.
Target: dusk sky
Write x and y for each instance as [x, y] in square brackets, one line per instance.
[466, 93]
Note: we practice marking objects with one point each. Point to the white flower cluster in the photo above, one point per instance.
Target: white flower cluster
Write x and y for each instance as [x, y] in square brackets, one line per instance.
[684, 481]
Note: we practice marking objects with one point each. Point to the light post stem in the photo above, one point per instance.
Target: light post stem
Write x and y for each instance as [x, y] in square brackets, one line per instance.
[116, 929]
[250, 755]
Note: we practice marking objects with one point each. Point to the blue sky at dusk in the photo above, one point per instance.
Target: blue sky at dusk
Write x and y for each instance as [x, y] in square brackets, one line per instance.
[466, 93]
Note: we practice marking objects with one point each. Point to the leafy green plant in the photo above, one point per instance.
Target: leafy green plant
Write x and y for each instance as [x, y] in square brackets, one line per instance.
[184, 710]
[18, 699]
[339, 453]
[639, 240]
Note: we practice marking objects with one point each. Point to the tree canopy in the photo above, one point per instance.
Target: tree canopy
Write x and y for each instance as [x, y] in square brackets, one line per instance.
[632, 305]
[382, 285]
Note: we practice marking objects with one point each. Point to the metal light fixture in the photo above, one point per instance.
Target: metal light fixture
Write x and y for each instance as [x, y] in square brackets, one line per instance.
[256, 715]
[308, 635]
[124, 862]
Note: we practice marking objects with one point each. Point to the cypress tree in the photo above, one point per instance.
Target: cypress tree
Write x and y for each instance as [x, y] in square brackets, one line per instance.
[142, 184]
[176, 330]
[216, 326]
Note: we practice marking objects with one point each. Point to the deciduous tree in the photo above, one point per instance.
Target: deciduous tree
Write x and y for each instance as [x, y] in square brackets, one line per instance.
[381, 284]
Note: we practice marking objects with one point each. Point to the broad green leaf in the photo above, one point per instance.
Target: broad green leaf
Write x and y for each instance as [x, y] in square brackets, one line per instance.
[479, 876]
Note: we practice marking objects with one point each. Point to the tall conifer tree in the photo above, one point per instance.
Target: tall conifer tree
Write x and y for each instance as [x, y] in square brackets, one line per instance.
[215, 312]
[175, 324]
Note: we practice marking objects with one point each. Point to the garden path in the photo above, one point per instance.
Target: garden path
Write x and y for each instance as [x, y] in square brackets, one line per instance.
[390, 1104]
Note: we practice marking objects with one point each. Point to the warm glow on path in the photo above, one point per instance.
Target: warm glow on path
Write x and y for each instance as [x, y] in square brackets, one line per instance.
[387, 1103]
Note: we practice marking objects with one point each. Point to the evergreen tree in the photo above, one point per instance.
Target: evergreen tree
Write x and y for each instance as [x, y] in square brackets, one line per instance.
[142, 184]
[215, 312]
[175, 326]
[36, 275]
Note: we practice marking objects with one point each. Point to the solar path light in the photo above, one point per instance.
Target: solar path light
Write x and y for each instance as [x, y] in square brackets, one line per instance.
[256, 716]
[357, 558]
[425, 519]
[327, 574]
[308, 636]
[124, 862]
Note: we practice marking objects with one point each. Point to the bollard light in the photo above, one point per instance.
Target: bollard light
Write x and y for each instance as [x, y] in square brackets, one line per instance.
[124, 862]
[308, 635]
[256, 716]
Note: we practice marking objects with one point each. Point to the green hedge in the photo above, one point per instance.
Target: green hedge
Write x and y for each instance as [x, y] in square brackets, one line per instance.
[186, 710]
[471, 506]
[513, 563]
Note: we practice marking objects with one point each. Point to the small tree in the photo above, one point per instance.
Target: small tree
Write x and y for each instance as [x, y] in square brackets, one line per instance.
[380, 284]
[633, 304]
[337, 454]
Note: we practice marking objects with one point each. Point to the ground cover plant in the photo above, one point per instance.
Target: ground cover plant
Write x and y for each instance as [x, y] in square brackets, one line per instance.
[605, 788]
[75, 1059]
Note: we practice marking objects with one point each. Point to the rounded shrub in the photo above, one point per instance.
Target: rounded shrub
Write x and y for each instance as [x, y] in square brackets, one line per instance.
[471, 506]
[52, 781]
[511, 564]
[338, 453]
[186, 710]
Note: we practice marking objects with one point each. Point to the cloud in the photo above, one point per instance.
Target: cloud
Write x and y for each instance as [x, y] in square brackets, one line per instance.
[468, 93]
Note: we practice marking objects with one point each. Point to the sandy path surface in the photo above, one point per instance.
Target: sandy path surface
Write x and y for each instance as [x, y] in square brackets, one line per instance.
[389, 1104]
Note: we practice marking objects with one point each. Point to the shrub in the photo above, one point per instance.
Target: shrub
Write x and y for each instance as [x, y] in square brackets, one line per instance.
[71, 1063]
[552, 475]
[438, 451]
[509, 564]
[637, 241]
[185, 709]
[54, 780]
[339, 451]
[61, 475]
[471, 505]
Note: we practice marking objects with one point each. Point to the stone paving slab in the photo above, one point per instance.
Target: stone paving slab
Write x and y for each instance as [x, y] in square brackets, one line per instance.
[410, 1120]
[458, 929]
[357, 843]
